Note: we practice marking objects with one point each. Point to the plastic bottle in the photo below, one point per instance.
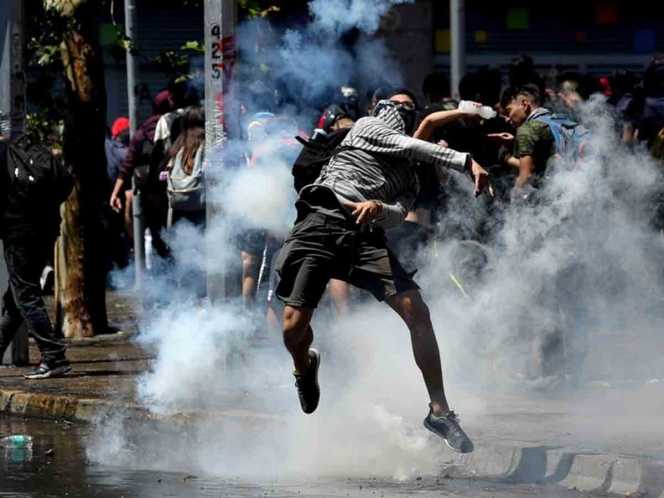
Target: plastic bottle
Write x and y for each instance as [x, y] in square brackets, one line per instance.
[16, 441]
[487, 112]
[468, 107]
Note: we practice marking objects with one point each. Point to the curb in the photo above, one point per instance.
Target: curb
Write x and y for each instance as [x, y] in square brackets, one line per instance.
[630, 476]
[91, 410]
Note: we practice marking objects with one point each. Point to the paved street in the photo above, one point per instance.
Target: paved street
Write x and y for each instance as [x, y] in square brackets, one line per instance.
[57, 466]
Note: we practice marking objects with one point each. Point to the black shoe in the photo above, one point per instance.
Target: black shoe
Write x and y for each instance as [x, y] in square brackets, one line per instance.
[44, 371]
[307, 384]
[447, 426]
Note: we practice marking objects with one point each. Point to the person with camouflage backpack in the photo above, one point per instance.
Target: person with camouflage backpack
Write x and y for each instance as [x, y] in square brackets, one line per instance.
[541, 136]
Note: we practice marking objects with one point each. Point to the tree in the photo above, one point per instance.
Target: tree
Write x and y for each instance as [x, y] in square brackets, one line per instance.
[80, 256]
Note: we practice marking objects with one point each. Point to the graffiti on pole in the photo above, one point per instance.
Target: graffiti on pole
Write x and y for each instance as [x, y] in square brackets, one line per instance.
[222, 64]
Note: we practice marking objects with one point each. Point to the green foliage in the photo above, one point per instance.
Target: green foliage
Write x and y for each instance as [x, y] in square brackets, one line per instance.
[258, 8]
[41, 127]
[177, 63]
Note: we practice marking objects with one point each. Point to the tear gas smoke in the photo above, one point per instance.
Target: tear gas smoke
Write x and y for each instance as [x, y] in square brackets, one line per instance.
[582, 268]
[337, 16]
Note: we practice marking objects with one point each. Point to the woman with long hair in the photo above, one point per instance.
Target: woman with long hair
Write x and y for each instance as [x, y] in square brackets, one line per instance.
[185, 174]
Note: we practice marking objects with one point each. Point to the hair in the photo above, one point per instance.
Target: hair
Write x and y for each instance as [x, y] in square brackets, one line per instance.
[405, 91]
[190, 138]
[623, 82]
[582, 84]
[522, 72]
[653, 77]
[184, 93]
[482, 86]
[436, 87]
[513, 92]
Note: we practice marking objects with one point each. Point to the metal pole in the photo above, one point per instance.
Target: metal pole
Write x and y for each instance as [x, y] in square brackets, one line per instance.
[458, 43]
[5, 68]
[220, 18]
[12, 107]
[137, 212]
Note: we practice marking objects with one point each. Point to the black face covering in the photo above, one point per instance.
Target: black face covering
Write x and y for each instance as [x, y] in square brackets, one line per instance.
[408, 115]
[400, 117]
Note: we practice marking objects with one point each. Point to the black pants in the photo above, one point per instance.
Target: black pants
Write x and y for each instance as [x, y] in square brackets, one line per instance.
[25, 259]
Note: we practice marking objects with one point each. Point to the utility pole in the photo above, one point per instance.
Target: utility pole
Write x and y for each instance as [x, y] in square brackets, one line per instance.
[220, 58]
[12, 123]
[137, 209]
[458, 43]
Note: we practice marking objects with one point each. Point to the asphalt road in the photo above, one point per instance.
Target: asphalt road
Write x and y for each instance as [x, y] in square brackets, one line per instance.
[57, 465]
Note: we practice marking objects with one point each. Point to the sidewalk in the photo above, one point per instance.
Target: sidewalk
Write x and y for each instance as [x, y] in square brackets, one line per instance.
[601, 439]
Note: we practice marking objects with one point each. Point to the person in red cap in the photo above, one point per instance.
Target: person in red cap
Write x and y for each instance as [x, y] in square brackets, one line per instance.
[120, 126]
[116, 147]
[138, 158]
[116, 143]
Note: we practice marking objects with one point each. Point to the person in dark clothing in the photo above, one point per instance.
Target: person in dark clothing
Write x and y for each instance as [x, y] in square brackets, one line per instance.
[139, 159]
[34, 185]
[116, 144]
[368, 186]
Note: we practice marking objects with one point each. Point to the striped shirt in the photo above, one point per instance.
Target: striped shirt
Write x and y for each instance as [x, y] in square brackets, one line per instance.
[378, 165]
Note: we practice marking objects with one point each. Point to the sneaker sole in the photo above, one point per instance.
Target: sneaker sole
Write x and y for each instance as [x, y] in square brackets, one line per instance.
[56, 372]
[317, 355]
[428, 426]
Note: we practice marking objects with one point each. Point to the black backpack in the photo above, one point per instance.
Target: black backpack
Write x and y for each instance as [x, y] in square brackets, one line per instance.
[145, 171]
[37, 174]
[316, 153]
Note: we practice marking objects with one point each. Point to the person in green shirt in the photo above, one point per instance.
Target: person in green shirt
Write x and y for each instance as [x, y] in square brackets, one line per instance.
[534, 143]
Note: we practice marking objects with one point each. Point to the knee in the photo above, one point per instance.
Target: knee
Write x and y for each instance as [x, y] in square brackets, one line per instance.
[416, 313]
[295, 325]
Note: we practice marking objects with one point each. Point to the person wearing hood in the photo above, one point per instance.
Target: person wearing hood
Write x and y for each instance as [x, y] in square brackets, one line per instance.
[139, 158]
[367, 186]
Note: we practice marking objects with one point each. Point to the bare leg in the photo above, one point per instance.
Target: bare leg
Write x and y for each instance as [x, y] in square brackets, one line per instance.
[412, 309]
[340, 294]
[128, 214]
[249, 277]
[298, 335]
[272, 319]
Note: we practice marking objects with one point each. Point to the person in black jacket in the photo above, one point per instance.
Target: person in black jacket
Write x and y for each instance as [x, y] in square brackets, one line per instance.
[34, 184]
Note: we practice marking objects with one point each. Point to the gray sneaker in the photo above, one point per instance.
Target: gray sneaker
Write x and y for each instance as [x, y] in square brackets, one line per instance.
[307, 384]
[447, 427]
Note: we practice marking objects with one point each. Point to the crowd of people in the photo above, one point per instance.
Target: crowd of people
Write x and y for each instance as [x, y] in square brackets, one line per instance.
[374, 189]
[513, 128]
[374, 184]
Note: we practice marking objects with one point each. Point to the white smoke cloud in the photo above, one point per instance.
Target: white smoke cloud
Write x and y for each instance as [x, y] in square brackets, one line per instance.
[584, 260]
[341, 15]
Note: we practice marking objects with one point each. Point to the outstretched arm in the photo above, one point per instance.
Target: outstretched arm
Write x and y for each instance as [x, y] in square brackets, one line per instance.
[435, 120]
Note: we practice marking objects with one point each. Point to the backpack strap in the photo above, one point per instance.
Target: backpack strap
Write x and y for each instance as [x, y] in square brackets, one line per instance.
[310, 144]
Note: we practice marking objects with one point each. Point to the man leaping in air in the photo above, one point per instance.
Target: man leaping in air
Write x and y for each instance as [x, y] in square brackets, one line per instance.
[367, 186]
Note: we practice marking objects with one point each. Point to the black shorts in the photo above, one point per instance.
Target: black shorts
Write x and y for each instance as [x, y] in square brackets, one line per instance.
[252, 241]
[407, 241]
[325, 245]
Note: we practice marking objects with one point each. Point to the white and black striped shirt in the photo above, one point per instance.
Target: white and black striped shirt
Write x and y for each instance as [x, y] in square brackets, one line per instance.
[376, 163]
